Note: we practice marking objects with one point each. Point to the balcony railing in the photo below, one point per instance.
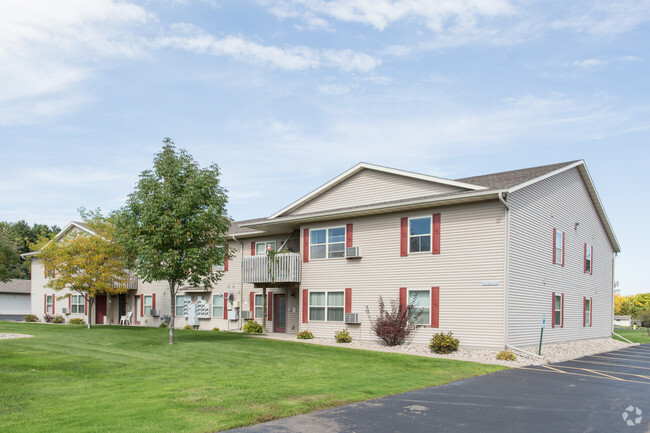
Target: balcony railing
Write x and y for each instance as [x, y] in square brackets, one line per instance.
[286, 268]
[131, 282]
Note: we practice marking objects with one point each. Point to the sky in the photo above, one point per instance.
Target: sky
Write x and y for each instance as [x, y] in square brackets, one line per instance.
[285, 95]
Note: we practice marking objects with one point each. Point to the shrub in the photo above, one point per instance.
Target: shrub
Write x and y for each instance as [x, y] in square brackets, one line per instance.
[644, 318]
[506, 355]
[342, 336]
[163, 325]
[395, 325]
[215, 329]
[187, 327]
[252, 327]
[77, 321]
[47, 318]
[58, 319]
[305, 335]
[31, 318]
[443, 343]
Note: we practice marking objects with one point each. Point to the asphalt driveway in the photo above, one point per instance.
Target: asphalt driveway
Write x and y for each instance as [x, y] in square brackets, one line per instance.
[608, 393]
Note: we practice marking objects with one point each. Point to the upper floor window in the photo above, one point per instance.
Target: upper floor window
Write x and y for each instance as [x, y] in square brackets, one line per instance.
[420, 235]
[589, 251]
[558, 247]
[261, 248]
[327, 243]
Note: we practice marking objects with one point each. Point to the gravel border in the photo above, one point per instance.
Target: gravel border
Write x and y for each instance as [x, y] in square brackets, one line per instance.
[10, 336]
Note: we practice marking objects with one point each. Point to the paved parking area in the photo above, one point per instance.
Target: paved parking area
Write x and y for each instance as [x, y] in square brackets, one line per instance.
[608, 393]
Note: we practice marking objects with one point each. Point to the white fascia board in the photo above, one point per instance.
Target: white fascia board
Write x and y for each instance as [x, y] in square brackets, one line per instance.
[69, 227]
[338, 179]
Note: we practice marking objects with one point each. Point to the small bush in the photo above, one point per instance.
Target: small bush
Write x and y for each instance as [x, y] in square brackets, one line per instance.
[58, 319]
[77, 321]
[305, 335]
[47, 318]
[252, 327]
[506, 355]
[443, 343]
[187, 327]
[394, 325]
[31, 318]
[163, 325]
[215, 329]
[342, 336]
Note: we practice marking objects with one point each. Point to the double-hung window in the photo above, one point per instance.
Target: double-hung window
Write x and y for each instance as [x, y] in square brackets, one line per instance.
[327, 306]
[261, 248]
[588, 312]
[557, 311]
[180, 305]
[49, 304]
[589, 251]
[77, 304]
[259, 306]
[148, 304]
[421, 300]
[327, 243]
[558, 247]
[420, 235]
[217, 306]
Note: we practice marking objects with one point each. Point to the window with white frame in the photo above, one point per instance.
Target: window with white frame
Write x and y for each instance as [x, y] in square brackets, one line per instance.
[259, 306]
[557, 312]
[180, 305]
[419, 235]
[327, 306]
[261, 248]
[217, 306]
[77, 304]
[588, 312]
[49, 304]
[327, 243]
[148, 304]
[588, 252]
[559, 245]
[421, 300]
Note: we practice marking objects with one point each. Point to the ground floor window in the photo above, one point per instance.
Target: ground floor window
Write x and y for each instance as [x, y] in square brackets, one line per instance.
[557, 318]
[421, 299]
[77, 304]
[259, 306]
[327, 306]
[49, 304]
[148, 304]
[588, 312]
[217, 306]
[180, 305]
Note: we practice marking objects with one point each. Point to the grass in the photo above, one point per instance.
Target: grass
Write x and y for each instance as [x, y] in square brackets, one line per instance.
[129, 379]
[634, 335]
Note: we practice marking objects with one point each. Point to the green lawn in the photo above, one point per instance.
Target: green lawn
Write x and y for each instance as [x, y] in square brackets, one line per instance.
[634, 335]
[129, 379]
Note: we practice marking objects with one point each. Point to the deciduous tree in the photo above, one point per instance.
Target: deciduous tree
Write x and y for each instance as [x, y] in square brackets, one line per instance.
[175, 225]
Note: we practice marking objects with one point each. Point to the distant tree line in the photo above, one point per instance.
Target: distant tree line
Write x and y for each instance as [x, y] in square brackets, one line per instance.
[15, 239]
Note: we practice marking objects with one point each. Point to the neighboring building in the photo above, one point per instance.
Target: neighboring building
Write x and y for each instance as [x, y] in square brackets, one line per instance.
[622, 321]
[485, 257]
[15, 299]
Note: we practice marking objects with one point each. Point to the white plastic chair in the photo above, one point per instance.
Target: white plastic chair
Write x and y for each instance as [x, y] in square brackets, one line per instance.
[126, 319]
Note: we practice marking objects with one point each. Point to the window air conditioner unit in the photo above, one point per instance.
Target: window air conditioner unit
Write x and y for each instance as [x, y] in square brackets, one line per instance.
[233, 314]
[154, 313]
[353, 252]
[246, 315]
[65, 310]
[352, 318]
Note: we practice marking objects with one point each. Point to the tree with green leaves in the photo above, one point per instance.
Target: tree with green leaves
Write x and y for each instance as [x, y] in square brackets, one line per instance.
[86, 263]
[15, 239]
[174, 225]
[9, 258]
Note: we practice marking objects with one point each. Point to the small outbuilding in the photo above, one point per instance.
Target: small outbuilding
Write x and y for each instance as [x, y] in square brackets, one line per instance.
[622, 321]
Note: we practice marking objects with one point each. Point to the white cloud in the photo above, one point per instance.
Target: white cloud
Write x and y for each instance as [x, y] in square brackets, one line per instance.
[589, 63]
[607, 17]
[334, 89]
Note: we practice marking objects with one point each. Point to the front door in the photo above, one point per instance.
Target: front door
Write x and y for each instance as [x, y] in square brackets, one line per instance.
[280, 310]
[100, 309]
[137, 310]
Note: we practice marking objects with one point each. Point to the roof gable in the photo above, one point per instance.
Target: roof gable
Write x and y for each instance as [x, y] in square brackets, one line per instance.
[367, 184]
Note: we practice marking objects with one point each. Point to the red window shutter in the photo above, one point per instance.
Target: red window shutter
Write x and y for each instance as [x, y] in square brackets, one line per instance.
[402, 297]
[562, 314]
[252, 301]
[591, 265]
[584, 311]
[435, 241]
[305, 306]
[348, 236]
[269, 313]
[141, 305]
[435, 307]
[70, 304]
[553, 311]
[53, 304]
[563, 238]
[348, 301]
[305, 247]
[44, 271]
[404, 237]
[584, 267]
[44, 304]
[554, 246]
[591, 311]
[225, 305]
[153, 301]
[252, 248]
[225, 262]
[86, 308]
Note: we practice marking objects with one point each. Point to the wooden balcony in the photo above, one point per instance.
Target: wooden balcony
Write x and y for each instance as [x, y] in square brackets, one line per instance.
[286, 268]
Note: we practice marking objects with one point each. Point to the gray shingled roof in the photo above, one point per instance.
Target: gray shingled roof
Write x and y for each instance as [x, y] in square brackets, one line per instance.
[236, 229]
[508, 179]
[16, 286]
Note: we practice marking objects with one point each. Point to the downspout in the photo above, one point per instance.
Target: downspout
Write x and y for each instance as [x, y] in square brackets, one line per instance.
[506, 279]
[613, 288]
[241, 280]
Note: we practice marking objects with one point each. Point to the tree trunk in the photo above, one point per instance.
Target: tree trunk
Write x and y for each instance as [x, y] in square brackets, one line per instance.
[172, 292]
[91, 301]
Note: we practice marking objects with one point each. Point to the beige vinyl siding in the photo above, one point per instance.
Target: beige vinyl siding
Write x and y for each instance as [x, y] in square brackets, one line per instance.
[472, 252]
[560, 201]
[371, 186]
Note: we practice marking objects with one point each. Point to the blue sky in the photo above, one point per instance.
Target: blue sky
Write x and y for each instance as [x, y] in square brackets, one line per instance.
[284, 95]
